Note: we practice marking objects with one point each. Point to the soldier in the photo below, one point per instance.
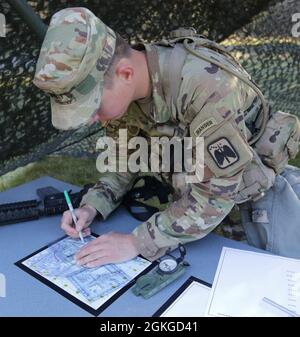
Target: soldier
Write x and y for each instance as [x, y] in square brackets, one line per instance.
[164, 89]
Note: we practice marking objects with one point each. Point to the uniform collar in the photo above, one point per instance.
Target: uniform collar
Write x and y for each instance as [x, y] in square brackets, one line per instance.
[159, 112]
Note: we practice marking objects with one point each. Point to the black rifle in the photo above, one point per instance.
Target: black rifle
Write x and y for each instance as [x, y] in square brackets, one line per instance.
[51, 202]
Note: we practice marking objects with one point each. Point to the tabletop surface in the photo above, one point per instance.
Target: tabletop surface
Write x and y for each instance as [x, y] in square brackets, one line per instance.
[26, 296]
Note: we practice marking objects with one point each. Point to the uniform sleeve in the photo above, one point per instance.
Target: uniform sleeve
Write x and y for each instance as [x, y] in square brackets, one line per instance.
[107, 194]
[193, 216]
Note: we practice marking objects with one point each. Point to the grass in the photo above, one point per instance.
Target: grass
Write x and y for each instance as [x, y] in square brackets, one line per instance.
[76, 171]
[296, 161]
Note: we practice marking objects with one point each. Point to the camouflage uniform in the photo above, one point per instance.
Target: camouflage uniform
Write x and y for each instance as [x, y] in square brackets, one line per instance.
[197, 208]
[209, 103]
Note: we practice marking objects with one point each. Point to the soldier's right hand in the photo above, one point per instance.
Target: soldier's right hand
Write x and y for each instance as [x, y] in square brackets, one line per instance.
[85, 215]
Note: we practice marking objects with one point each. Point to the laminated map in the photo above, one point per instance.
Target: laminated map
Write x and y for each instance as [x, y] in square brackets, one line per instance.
[91, 288]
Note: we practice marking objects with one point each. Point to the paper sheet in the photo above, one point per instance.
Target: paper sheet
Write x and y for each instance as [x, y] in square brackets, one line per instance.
[191, 302]
[243, 278]
[90, 286]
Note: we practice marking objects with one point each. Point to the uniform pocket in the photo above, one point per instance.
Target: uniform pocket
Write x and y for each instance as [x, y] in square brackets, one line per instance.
[280, 141]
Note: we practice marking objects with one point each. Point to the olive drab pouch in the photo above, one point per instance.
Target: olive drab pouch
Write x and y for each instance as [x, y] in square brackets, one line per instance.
[280, 141]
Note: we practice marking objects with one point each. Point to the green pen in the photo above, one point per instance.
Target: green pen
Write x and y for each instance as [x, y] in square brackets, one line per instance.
[68, 200]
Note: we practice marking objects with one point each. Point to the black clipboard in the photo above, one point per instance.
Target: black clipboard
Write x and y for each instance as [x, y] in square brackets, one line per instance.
[173, 298]
[94, 312]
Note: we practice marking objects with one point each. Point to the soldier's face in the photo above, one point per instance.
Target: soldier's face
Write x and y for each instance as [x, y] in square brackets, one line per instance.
[117, 97]
[114, 103]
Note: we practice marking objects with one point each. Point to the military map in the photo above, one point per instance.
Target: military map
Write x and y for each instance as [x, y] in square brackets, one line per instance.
[92, 286]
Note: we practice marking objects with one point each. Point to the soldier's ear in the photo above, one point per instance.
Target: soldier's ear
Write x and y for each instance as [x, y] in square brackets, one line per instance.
[125, 71]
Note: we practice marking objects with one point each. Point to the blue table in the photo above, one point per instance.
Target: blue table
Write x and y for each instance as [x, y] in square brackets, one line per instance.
[26, 296]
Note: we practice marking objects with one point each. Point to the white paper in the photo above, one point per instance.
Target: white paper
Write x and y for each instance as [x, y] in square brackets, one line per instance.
[92, 286]
[243, 278]
[192, 302]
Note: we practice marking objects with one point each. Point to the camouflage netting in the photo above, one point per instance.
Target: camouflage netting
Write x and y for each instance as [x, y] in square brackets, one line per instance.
[258, 30]
[270, 53]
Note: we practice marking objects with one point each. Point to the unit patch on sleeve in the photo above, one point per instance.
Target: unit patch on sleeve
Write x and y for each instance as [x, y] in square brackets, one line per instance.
[223, 153]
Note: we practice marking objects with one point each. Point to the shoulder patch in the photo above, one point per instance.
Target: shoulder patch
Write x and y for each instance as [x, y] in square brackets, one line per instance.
[223, 153]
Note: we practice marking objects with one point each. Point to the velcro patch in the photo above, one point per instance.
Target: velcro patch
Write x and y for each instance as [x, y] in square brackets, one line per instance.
[223, 153]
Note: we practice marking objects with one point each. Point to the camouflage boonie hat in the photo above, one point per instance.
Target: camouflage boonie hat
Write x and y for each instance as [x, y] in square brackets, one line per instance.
[76, 52]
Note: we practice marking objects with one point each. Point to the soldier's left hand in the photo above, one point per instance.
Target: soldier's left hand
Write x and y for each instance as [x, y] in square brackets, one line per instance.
[107, 248]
